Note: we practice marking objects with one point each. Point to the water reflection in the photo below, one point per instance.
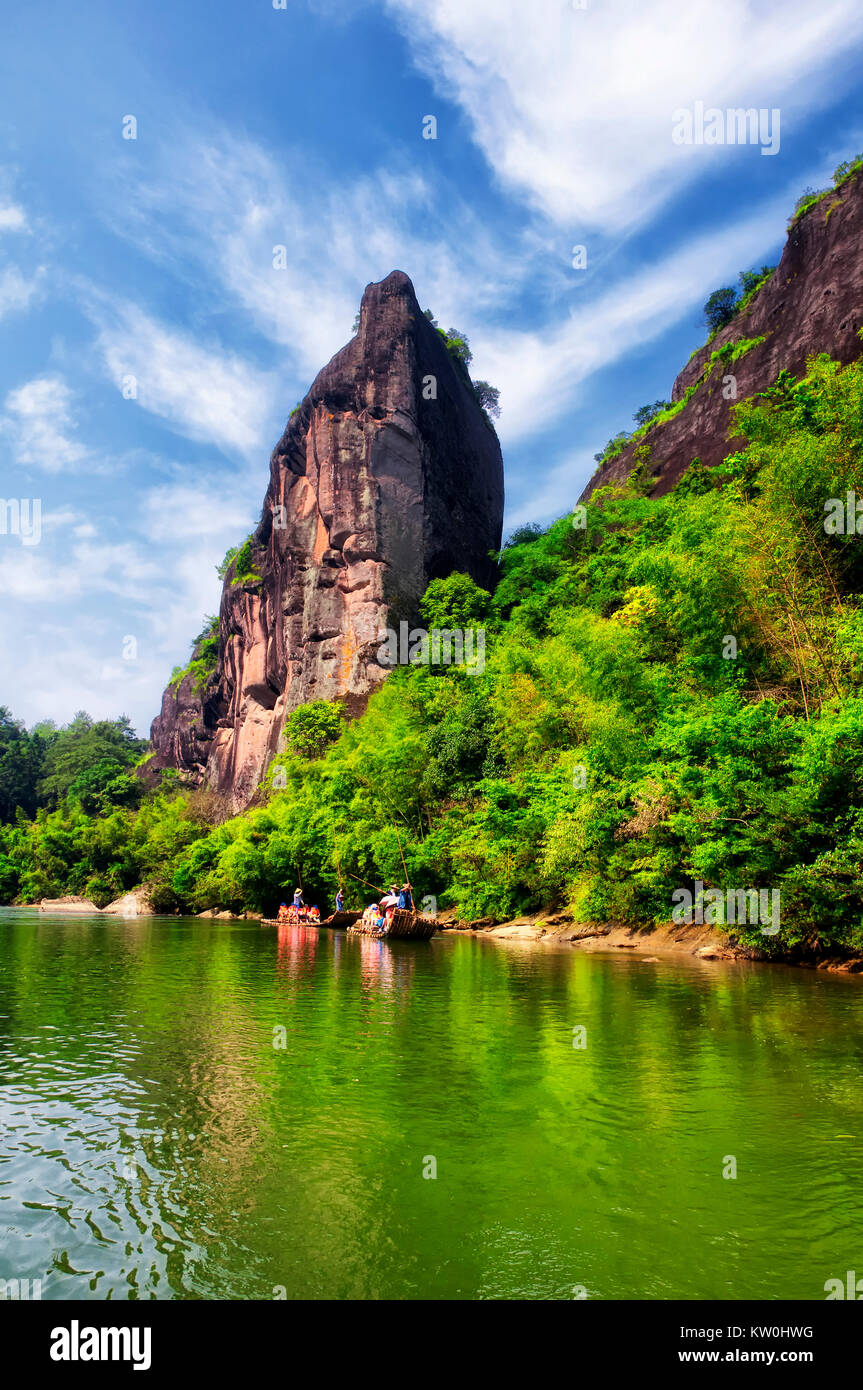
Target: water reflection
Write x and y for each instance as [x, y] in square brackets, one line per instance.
[156, 1144]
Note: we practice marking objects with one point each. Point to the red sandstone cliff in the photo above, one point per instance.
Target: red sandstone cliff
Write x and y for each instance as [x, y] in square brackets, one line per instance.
[813, 302]
[388, 475]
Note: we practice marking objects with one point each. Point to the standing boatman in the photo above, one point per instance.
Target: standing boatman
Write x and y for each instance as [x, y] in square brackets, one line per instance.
[340, 901]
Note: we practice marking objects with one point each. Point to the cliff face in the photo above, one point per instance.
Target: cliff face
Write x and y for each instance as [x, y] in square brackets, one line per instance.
[388, 475]
[813, 302]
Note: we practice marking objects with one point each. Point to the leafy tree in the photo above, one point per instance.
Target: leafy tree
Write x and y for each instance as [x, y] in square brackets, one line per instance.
[457, 346]
[615, 446]
[523, 535]
[454, 602]
[750, 280]
[22, 756]
[230, 556]
[645, 413]
[720, 308]
[79, 747]
[488, 397]
[311, 727]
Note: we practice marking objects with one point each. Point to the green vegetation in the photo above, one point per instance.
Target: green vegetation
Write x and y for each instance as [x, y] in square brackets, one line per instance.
[311, 728]
[87, 762]
[810, 196]
[458, 347]
[614, 749]
[205, 658]
[720, 308]
[724, 305]
[241, 559]
[661, 411]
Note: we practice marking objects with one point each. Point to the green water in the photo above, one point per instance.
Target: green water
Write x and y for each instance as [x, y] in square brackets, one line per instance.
[156, 1144]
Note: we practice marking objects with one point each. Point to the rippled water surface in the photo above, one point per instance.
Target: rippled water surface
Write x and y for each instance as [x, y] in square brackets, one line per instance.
[156, 1144]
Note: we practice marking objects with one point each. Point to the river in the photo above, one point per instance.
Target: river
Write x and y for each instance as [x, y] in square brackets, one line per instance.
[199, 1109]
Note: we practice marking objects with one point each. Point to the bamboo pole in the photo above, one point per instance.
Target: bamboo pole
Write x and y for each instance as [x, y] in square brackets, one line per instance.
[363, 880]
[401, 852]
[336, 853]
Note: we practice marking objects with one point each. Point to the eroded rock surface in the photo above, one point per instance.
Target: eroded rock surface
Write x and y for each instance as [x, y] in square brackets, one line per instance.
[388, 475]
[812, 303]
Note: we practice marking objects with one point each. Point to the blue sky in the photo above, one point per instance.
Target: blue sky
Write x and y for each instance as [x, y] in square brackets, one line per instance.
[153, 258]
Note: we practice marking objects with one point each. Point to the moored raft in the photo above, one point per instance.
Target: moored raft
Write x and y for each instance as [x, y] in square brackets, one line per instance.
[286, 922]
[405, 925]
[342, 919]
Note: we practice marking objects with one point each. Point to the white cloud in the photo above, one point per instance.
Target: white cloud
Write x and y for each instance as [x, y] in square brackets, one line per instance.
[16, 292]
[218, 207]
[87, 600]
[539, 372]
[188, 510]
[573, 107]
[556, 492]
[206, 394]
[12, 218]
[38, 420]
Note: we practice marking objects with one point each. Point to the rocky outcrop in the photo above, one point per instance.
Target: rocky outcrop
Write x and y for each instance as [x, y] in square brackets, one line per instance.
[812, 303]
[70, 904]
[136, 903]
[388, 475]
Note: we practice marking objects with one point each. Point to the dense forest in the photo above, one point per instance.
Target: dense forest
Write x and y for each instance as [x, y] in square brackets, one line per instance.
[672, 692]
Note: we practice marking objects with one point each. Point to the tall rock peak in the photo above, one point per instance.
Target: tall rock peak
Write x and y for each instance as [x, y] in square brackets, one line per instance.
[388, 475]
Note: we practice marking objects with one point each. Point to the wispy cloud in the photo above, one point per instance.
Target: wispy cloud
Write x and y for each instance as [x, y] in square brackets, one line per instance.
[219, 207]
[12, 218]
[539, 372]
[38, 422]
[16, 291]
[203, 391]
[572, 106]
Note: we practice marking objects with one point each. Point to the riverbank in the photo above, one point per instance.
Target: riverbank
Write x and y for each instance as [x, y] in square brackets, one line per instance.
[543, 930]
[701, 941]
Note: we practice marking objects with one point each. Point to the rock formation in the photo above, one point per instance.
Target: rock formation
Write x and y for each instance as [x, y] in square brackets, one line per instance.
[388, 475]
[813, 302]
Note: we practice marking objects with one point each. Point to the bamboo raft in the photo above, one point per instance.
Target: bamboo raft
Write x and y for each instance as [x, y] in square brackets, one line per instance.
[286, 922]
[405, 924]
[343, 919]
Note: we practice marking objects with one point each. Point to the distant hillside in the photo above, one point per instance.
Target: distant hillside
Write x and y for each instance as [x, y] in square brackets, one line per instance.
[813, 302]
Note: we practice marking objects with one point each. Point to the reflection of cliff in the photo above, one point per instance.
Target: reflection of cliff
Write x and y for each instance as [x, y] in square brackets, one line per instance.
[388, 475]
